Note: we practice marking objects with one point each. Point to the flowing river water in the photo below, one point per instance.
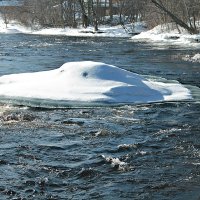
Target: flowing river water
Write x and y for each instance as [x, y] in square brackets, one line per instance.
[146, 151]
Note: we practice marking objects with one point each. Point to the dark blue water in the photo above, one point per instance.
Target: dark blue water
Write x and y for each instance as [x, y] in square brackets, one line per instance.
[149, 151]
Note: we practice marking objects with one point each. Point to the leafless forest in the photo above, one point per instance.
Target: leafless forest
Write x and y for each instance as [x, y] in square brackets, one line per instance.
[74, 13]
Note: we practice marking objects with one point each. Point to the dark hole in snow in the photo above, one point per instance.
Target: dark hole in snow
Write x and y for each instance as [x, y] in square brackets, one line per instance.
[85, 74]
[62, 70]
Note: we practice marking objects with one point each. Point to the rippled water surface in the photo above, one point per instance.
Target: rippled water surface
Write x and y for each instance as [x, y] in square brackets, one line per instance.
[149, 151]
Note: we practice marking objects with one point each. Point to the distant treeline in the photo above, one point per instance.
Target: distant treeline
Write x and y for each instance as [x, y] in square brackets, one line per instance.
[74, 13]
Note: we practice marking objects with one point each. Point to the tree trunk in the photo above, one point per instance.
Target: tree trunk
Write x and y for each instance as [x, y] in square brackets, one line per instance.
[62, 13]
[95, 21]
[111, 10]
[177, 20]
[84, 16]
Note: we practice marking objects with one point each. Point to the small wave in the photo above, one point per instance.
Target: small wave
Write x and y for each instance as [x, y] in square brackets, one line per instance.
[101, 133]
[87, 173]
[17, 117]
[127, 146]
[116, 163]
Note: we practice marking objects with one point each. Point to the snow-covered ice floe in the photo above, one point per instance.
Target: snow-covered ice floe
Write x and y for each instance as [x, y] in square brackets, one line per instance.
[87, 83]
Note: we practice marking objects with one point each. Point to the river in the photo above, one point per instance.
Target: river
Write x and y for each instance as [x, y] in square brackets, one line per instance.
[146, 151]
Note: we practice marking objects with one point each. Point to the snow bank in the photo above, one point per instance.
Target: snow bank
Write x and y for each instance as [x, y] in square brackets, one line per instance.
[12, 28]
[168, 35]
[104, 31]
[90, 82]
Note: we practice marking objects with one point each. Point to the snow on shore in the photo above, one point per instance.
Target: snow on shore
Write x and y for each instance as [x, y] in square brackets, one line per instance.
[104, 31]
[168, 35]
[12, 27]
[160, 35]
[90, 82]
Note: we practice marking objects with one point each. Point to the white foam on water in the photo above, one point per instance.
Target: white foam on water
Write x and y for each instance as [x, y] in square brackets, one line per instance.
[116, 163]
[194, 58]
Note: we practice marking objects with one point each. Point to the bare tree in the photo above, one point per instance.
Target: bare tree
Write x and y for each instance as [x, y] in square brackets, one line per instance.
[5, 16]
[174, 15]
[111, 9]
[94, 15]
[85, 20]
[62, 13]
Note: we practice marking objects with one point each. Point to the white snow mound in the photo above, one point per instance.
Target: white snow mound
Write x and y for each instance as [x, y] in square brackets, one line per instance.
[89, 81]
